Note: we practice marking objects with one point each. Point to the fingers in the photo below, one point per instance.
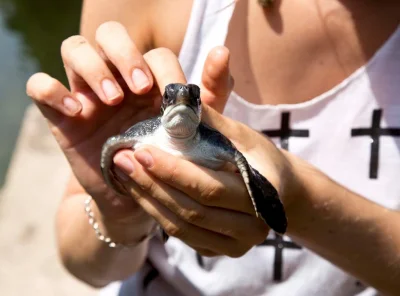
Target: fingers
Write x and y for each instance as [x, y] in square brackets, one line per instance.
[89, 69]
[84, 66]
[230, 223]
[207, 187]
[194, 236]
[165, 66]
[173, 225]
[118, 47]
[49, 92]
[217, 82]
[228, 232]
[216, 86]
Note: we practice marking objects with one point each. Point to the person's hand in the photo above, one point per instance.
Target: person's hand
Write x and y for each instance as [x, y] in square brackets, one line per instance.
[111, 89]
[211, 211]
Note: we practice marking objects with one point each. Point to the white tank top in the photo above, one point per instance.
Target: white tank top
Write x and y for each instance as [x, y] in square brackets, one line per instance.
[351, 133]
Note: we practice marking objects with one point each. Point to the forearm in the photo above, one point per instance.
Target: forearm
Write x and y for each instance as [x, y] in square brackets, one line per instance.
[88, 258]
[352, 232]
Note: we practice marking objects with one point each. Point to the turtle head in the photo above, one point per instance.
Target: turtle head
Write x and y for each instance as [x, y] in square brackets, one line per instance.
[181, 109]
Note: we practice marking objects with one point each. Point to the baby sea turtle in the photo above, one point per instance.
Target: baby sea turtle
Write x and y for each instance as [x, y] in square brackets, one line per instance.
[179, 131]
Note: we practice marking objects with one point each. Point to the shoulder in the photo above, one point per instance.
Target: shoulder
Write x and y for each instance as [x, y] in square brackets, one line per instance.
[150, 23]
[170, 19]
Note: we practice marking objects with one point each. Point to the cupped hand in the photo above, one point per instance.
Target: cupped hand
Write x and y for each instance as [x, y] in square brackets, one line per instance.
[209, 210]
[112, 87]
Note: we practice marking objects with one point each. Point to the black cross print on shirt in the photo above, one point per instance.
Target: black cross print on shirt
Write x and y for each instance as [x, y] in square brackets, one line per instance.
[286, 132]
[279, 244]
[375, 132]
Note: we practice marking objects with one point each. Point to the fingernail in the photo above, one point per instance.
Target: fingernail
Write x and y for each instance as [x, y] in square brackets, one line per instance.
[71, 105]
[140, 79]
[144, 158]
[124, 163]
[110, 90]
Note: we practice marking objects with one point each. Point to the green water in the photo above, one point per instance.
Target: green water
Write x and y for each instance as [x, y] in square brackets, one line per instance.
[31, 32]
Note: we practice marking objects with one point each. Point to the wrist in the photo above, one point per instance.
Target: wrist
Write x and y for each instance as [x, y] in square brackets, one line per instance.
[128, 231]
[303, 184]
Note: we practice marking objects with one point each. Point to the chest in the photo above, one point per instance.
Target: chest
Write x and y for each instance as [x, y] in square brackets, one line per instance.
[357, 146]
[297, 50]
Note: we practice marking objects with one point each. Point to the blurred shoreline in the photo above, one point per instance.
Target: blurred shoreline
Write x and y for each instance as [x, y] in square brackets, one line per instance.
[29, 263]
[31, 33]
[33, 171]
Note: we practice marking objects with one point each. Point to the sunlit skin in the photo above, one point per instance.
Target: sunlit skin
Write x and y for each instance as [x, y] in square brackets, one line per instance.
[121, 84]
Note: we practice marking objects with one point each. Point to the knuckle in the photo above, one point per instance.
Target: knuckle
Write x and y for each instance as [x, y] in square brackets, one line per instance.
[159, 53]
[238, 251]
[229, 232]
[175, 229]
[108, 28]
[117, 45]
[193, 216]
[212, 193]
[161, 50]
[148, 186]
[72, 43]
[175, 172]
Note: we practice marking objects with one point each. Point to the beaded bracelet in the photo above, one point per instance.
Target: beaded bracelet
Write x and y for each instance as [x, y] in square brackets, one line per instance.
[108, 240]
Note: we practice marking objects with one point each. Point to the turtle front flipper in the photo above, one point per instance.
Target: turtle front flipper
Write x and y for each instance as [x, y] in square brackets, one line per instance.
[264, 196]
[110, 148]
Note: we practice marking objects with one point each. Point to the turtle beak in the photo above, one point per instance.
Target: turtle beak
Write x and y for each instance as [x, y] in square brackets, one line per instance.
[183, 96]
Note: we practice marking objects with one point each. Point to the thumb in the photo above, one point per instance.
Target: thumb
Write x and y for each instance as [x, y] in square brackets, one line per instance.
[216, 82]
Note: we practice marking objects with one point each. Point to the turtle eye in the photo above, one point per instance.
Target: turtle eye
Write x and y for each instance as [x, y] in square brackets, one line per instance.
[170, 91]
[169, 96]
[194, 90]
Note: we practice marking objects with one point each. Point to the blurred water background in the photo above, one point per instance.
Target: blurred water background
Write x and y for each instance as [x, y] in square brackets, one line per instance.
[30, 36]
[33, 171]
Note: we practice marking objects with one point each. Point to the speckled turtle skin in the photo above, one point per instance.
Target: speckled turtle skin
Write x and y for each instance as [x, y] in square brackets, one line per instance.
[179, 131]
